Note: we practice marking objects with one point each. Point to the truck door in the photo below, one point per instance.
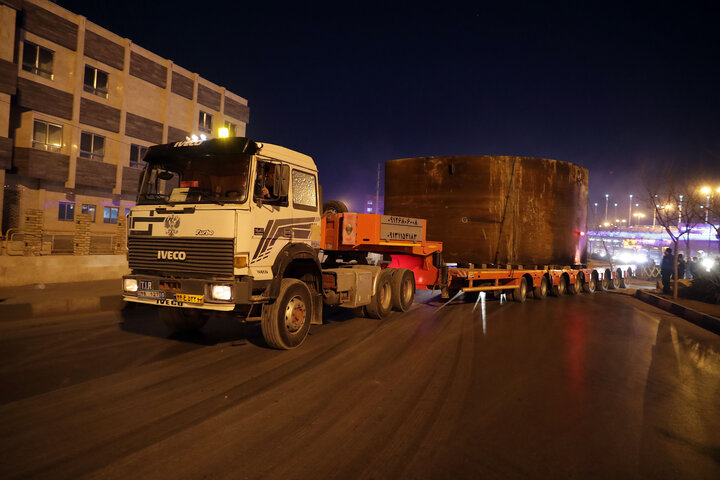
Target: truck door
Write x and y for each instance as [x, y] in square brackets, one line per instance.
[305, 206]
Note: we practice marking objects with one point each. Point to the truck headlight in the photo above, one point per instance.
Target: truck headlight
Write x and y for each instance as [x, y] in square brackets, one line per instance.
[130, 284]
[221, 292]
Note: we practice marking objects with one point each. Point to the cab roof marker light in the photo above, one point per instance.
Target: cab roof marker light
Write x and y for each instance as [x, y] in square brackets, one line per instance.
[223, 132]
[202, 137]
[194, 138]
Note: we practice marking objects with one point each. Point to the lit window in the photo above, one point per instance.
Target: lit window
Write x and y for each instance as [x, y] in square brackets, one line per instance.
[96, 81]
[110, 215]
[137, 153]
[89, 209]
[369, 209]
[232, 129]
[205, 122]
[47, 136]
[38, 60]
[92, 146]
[66, 211]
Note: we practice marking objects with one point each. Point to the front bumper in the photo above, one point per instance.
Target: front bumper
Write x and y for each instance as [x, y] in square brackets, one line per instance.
[187, 292]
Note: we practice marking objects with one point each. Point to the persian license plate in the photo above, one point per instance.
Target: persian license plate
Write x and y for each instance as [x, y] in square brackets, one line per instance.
[184, 297]
[150, 294]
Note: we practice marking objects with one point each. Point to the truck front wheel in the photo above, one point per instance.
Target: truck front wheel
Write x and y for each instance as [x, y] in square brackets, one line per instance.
[182, 320]
[286, 322]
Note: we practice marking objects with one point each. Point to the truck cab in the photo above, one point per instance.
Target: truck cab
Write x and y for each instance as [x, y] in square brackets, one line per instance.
[227, 225]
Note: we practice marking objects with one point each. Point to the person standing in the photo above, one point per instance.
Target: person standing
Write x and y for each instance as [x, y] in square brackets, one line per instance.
[681, 266]
[666, 269]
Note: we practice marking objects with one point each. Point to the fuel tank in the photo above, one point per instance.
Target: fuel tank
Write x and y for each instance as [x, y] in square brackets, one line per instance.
[494, 209]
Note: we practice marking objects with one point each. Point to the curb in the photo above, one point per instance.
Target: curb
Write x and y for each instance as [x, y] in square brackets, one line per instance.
[703, 320]
[19, 311]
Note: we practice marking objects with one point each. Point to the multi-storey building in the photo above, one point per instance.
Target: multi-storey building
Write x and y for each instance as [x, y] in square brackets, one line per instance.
[79, 106]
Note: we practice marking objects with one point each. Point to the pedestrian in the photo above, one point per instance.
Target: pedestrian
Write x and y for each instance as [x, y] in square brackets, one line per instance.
[666, 269]
[681, 266]
[692, 267]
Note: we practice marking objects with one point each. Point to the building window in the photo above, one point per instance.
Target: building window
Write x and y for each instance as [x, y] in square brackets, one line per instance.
[137, 153]
[96, 81]
[92, 146]
[232, 129]
[110, 215]
[38, 60]
[89, 209]
[205, 122]
[47, 136]
[66, 211]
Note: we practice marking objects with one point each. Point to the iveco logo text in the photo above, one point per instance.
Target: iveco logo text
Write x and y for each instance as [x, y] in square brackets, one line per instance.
[171, 255]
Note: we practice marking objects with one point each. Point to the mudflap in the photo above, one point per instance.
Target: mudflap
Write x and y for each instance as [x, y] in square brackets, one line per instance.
[317, 309]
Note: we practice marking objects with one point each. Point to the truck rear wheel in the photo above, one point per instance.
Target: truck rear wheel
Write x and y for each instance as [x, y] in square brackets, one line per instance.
[403, 289]
[286, 322]
[590, 284]
[182, 320]
[519, 294]
[381, 303]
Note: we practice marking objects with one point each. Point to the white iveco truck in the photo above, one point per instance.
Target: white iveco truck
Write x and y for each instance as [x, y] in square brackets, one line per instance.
[231, 226]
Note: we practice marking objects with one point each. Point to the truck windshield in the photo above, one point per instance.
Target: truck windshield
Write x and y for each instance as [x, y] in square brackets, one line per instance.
[209, 178]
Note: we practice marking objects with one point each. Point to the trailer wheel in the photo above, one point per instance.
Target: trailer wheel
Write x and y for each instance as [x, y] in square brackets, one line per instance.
[403, 289]
[620, 279]
[182, 320]
[381, 303]
[561, 287]
[285, 323]
[590, 284]
[334, 206]
[572, 288]
[519, 294]
[600, 286]
[628, 276]
[541, 290]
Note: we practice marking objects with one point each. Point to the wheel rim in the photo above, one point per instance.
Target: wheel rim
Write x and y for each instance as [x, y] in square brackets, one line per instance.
[385, 295]
[406, 291]
[295, 313]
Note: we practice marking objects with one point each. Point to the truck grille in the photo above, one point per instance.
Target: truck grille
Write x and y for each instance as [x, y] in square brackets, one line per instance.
[212, 256]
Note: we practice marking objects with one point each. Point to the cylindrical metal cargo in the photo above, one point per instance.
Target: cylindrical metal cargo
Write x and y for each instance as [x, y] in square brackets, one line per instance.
[494, 209]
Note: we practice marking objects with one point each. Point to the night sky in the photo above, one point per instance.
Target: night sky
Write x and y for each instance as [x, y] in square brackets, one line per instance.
[618, 89]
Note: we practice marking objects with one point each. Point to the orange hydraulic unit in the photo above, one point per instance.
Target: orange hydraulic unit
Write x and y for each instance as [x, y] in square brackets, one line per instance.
[403, 238]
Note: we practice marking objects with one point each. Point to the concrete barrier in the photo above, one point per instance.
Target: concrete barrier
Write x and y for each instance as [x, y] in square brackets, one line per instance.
[18, 271]
[708, 322]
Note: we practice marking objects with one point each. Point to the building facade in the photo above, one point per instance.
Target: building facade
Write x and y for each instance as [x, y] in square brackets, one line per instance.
[79, 106]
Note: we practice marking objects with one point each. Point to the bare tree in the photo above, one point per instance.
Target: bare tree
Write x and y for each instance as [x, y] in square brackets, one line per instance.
[676, 204]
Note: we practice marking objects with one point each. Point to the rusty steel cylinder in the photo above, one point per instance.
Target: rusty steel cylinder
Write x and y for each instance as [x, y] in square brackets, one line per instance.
[494, 209]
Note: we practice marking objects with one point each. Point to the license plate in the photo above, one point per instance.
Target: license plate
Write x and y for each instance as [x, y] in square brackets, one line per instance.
[150, 294]
[184, 297]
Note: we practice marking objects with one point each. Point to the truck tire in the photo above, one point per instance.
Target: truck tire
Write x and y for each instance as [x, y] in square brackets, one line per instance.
[403, 289]
[334, 206]
[541, 290]
[589, 285]
[561, 288]
[572, 288]
[182, 320]
[286, 322]
[519, 294]
[381, 303]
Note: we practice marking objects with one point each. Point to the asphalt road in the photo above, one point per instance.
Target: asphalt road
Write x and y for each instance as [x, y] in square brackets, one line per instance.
[590, 386]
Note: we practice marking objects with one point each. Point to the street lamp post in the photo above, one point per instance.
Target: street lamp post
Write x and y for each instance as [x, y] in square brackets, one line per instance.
[607, 196]
[616, 210]
[630, 211]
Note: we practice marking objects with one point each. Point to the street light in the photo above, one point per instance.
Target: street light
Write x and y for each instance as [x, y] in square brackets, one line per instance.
[630, 210]
[615, 209]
